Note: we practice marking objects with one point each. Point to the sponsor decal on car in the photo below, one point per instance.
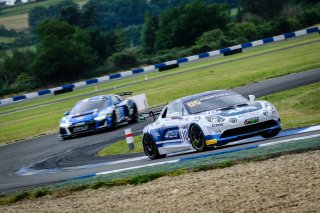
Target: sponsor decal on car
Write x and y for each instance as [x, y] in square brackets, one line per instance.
[217, 125]
[251, 121]
[211, 142]
[81, 128]
[172, 134]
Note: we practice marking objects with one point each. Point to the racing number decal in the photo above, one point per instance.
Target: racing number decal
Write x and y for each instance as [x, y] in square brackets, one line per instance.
[183, 134]
[194, 103]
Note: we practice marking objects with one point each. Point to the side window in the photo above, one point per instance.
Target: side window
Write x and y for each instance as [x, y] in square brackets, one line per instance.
[175, 109]
[164, 114]
[115, 100]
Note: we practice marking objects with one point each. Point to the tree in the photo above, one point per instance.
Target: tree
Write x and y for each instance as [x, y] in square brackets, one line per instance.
[36, 15]
[65, 10]
[103, 44]
[16, 63]
[148, 34]
[109, 14]
[181, 26]
[120, 39]
[71, 14]
[63, 54]
[265, 9]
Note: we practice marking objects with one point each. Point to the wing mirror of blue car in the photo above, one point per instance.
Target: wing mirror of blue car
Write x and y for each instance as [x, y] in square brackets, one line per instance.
[251, 97]
[141, 118]
[67, 113]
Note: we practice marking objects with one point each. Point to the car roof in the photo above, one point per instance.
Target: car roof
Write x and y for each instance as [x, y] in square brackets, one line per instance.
[212, 92]
[96, 98]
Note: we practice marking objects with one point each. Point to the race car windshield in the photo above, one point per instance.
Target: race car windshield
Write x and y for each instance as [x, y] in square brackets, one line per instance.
[214, 101]
[88, 105]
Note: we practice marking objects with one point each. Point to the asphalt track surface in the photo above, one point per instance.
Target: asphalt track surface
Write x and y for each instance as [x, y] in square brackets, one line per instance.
[47, 159]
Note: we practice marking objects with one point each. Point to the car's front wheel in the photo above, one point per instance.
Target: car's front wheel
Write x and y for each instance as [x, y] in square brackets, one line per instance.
[114, 123]
[197, 138]
[150, 147]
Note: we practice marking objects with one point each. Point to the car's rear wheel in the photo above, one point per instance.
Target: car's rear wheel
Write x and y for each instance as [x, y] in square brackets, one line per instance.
[197, 138]
[150, 147]
[271, 134]
[134, 116]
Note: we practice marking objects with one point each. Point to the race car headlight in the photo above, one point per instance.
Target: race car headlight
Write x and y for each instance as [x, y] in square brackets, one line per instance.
[265, 113]
[101, 116]
[233, 120]
[65, 124]
[215, 119]
[269, 106]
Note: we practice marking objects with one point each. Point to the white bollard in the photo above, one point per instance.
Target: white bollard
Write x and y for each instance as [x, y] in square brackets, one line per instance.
[129, 138]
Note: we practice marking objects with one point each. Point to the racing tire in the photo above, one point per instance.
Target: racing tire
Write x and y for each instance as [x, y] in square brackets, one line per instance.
[114, 123]
[150, 147]
[271, 134]
[197, 138]
[65, 138]
[134, 116]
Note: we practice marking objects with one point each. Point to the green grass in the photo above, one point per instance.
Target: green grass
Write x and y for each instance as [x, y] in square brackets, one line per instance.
[6, 39]
[25, 8]
[297, 107]
[121, 147]
[37, 121]
[16, 17]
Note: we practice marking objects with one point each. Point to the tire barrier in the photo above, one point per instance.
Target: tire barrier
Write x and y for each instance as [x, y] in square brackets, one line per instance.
[233, 52]
[164, 65]
[61, 91]
[168, 67]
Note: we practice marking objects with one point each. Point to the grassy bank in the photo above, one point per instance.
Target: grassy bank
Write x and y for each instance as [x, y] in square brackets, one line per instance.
[192, 78]
[16, 17]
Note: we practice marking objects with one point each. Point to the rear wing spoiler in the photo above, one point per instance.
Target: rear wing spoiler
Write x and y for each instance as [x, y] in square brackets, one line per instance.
[124, 93]
[151, 113]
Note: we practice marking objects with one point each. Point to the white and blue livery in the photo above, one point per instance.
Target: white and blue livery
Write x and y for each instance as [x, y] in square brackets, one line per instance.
[208, 119]
[95, 113]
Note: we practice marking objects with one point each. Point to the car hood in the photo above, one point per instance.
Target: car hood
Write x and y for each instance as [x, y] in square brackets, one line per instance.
[83, 117]
[237, 110]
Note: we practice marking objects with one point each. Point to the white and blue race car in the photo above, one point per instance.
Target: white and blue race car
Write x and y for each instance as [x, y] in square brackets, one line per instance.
[208, 119]
[96, 113]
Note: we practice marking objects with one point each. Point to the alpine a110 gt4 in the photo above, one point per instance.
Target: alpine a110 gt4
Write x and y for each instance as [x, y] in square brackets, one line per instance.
[95, 113]
[209, 119]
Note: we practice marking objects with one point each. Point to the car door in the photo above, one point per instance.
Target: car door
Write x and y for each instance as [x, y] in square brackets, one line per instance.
[119, 109]
[170, 121]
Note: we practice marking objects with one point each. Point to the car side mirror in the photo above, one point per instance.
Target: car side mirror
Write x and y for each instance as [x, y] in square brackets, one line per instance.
[251, 97]
[67, 113]
[141, 118]
[176, 117]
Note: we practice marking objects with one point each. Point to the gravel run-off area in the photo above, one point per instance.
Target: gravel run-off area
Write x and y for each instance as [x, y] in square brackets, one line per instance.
[289, 183]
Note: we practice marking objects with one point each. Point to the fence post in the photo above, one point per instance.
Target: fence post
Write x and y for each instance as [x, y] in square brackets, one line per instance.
[129, 138]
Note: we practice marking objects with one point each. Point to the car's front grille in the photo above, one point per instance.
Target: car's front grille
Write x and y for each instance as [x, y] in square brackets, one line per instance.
[249, 129]
[83, 128]
[63, 131]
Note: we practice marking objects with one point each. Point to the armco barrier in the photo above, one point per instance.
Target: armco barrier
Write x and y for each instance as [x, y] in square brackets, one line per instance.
[157, 66]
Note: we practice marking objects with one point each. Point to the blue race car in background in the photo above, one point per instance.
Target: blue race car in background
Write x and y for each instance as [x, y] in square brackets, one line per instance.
[95, 113]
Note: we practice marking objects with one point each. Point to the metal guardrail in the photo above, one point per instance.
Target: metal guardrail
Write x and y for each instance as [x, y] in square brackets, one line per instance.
[223, 51]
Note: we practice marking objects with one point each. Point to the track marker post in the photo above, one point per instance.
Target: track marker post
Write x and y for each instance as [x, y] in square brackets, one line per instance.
[129, 138]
